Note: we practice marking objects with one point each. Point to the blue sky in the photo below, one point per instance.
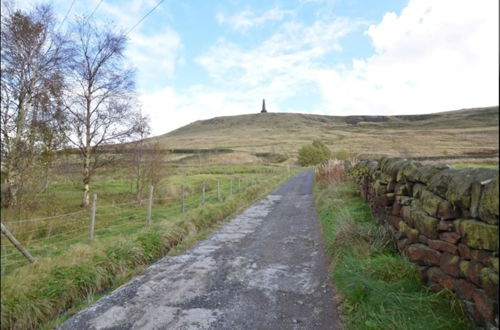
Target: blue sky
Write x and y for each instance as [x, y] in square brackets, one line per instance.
[199, 59]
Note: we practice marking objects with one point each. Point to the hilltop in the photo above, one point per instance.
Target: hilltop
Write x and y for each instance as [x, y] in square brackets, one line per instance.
[467, 131]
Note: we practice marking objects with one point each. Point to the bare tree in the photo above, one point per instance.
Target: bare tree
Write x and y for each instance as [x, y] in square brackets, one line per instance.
[101, 99]
[138, 151]
[33, 57]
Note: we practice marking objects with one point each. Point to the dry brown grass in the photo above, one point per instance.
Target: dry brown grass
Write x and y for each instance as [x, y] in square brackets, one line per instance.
[449, 133]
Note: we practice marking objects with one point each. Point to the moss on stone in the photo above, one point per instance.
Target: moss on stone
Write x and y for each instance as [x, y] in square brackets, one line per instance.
[480, 235]
[426, 172]
[463, 265]
[418, 188]
[430, 202]
[427, 225]
[488, 278]
[494, 262]
[488, 204]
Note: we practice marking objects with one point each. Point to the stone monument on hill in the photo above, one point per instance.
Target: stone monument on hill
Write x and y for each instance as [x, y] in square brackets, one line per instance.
[263, 106]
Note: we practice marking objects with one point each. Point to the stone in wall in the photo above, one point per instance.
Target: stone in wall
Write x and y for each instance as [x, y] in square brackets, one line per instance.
[445, 221]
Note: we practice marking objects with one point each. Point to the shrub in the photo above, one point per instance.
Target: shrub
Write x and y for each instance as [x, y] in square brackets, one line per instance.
[342, 155]
[313, 154]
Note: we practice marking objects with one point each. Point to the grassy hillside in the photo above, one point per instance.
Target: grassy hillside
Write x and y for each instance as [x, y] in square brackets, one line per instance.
[447, 133]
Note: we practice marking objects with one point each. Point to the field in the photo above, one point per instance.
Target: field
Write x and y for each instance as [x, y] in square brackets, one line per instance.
[462, 133]
[211, 169]
[71, 268]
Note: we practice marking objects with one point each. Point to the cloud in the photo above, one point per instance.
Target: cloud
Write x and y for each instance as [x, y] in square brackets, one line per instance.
[247, 19]
[434, 56]
[156, 55]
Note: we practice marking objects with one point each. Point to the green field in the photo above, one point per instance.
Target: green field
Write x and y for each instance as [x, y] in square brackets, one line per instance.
[70, 268]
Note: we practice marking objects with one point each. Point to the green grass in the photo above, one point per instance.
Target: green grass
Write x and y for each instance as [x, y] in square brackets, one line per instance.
[379, 289]
[71, 271]
[475, 165]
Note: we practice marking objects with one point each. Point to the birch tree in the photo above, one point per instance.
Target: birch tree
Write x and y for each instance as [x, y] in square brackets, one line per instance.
[33, 59]
[100, 102]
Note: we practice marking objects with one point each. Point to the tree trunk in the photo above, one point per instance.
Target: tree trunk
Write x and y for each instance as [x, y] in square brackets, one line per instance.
[46, 178]
[86, 181]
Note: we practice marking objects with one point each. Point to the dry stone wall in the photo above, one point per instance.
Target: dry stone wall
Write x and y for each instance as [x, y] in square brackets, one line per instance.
[445, 221]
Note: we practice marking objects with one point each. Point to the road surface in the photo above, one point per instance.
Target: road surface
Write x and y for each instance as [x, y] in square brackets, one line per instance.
[265, 269]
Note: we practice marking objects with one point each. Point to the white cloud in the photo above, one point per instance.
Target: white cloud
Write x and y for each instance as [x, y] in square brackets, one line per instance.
[156, 55]
[435, 56]
[247, 19]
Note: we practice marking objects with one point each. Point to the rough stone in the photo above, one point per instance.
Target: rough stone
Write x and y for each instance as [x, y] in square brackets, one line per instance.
[402, 244]
[479, 235]
[450, 264]
[464, 289]
[423, 254]
[409, 171]
[436, 275]
[394, 221]
[484, 305]
[427, 225]
[387, 199]
[473, 272]
[440, 181]
[445, 225]
[418, 188]
[442, 246]
[426, 172]
[390, 186]
[446, 211]
[475, 195]
[430, 202]
[482, 256]
[463, 265]
[464, 251]
[488, 205]
[422, 239]
[489, 281]
[400, 189]
[459, 187]
[412, 235]
[450, 237]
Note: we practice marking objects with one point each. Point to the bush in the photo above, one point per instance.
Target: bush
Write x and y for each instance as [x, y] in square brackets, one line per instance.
[313, 154]
[342, 155]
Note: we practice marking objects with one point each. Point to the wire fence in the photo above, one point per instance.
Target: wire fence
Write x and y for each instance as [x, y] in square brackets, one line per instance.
[47, 236]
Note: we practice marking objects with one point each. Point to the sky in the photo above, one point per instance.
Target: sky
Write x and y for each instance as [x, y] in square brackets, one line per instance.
[198, 59]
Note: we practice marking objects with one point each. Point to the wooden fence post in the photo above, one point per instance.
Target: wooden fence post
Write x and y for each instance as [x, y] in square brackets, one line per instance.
[16, 243]
[150, 205]
[92, 217]
[203, 194]
[182, 200]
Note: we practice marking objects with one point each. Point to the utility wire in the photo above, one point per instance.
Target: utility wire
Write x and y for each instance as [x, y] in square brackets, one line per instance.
[144, 17]
[67, 14]
[95, 8]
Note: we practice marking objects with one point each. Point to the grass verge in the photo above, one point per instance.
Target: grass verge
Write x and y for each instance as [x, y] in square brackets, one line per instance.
[35, 295]
[379, 289]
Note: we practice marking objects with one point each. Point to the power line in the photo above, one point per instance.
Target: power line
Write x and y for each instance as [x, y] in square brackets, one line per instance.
[95, 8]
[144, 17]
[67, 13]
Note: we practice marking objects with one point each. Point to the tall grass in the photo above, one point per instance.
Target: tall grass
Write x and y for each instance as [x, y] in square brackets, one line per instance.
[379, 289]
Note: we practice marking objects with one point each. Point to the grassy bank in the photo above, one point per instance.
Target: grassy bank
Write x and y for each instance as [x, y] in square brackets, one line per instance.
[379, 289]
[36, 294]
